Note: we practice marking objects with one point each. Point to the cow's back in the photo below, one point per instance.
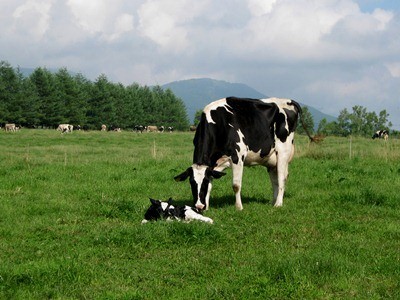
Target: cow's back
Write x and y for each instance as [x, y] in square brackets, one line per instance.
[225, 122]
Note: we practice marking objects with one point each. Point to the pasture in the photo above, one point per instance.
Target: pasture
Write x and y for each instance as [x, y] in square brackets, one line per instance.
[71, 207]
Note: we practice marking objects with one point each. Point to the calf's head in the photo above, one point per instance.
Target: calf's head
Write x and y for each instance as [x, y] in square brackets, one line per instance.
[200, 178]
[159, 210]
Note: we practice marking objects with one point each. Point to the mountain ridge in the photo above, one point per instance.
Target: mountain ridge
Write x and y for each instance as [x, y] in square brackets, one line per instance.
[197, 93]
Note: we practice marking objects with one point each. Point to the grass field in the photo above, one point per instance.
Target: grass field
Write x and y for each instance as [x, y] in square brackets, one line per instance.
[71, 207]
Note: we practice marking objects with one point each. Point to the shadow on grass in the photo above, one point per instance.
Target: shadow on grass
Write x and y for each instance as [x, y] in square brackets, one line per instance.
[228, 200]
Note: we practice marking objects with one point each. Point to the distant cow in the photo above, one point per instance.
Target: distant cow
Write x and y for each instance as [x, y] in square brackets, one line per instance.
[10, 127]
[117, 129]
[165, 210]
[170, 128]
[140, 128]
[152, 128]
[192, 128]
[103, 128]
[381, 134]
[161, 129]
[237, 132]
[64, 128]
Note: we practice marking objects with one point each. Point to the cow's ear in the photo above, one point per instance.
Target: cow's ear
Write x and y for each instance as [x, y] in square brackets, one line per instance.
[183, 176]
[217, 174]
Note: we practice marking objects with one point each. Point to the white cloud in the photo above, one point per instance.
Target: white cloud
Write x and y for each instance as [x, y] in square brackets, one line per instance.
[383, 17]
[261, 7]
[326, 53]
[101, 17]
[32, 18]
[394, 69]
[167, 23]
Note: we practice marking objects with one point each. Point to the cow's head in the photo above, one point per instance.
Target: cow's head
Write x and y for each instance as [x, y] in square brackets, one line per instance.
[200, 178]
[159, 210]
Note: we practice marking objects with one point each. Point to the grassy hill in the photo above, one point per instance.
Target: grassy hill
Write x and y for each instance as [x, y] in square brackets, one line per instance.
[196, 93]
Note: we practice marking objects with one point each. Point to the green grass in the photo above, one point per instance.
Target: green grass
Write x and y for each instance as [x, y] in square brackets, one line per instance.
[71, 207]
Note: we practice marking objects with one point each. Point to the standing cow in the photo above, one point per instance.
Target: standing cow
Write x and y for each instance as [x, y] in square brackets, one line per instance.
[64, 128]
[152, 128]
[10, 127]
[381, 134]
[237, 132]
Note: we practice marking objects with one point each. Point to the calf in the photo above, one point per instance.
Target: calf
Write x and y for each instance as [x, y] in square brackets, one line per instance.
[165, 210]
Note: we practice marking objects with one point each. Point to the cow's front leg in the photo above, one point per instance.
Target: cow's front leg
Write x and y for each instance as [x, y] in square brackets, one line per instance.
[284, 155]
[237, 173]
[273, 176]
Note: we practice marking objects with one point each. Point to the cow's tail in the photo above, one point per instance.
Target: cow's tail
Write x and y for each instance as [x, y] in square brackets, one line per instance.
[312, 139]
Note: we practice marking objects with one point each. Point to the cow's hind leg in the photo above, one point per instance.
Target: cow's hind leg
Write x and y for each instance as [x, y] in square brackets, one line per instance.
[237, 172]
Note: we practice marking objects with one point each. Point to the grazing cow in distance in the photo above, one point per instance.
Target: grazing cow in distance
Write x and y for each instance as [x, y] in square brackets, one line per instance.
[161, 129]
[117, 129]
[10, 127]
[165, 210]
[170, 128]
[236, 132]
[381, 134]
[192, 128]
[64, 128]
[140, 128]
[152, 128]
[103, 128]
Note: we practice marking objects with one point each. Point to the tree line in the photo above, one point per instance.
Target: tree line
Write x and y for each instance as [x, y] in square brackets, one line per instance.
[358, 122]
[46, 99]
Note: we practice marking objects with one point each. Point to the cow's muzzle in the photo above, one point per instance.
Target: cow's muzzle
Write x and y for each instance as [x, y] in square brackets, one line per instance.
[200, 206]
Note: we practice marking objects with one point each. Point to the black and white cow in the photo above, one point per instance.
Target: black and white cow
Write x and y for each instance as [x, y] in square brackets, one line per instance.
[237, 132]
[381, 134]
[140, 128]
[165, 210]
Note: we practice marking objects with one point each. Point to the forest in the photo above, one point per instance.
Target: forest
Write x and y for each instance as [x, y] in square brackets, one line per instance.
[45, 99]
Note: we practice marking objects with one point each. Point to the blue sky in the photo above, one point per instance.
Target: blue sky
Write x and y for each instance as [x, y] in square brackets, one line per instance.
[330, 54]
[370, 5]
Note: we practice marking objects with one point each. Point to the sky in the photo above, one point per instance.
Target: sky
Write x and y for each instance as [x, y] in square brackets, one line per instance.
[329, 54]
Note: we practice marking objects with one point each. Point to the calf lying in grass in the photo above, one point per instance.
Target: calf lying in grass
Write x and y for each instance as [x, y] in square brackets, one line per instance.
[165, 210]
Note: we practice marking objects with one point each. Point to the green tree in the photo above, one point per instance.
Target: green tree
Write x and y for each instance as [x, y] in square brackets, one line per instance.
[69, 93]
[9, 88]
[52, 109]
[307, 120]
[197, 117]
[344, 123]
[101, 109]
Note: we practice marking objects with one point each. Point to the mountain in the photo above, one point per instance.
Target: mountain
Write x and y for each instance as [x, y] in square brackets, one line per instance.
[197, 93]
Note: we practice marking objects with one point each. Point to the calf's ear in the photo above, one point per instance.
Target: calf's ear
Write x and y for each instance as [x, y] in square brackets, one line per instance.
[183, 176]
[154, 202]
